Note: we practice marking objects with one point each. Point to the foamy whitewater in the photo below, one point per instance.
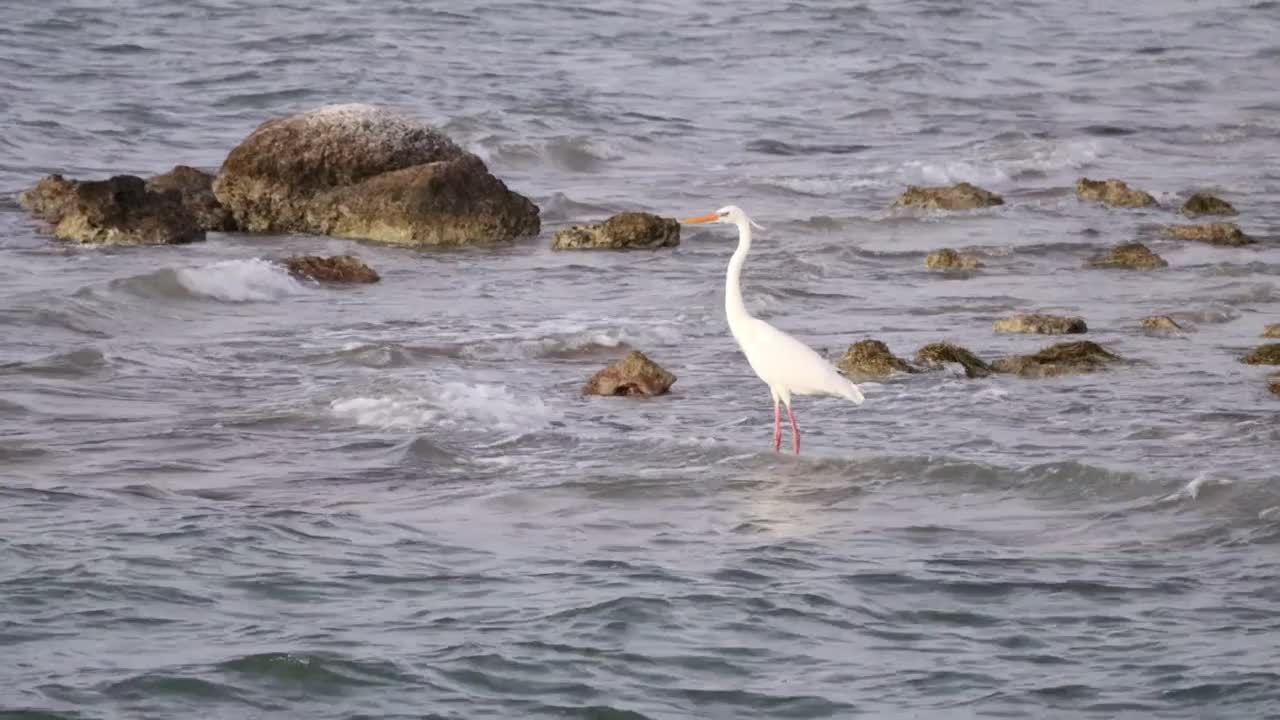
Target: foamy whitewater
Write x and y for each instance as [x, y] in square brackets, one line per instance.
[229, 493]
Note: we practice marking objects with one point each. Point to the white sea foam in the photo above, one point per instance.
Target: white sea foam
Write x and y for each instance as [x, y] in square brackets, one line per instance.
[447, 405]
[252, 280]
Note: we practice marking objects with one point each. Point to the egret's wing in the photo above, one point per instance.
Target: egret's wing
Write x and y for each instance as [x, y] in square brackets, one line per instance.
[783, 360]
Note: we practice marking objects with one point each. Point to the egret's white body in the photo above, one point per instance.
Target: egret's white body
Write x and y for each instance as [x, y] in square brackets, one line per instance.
[786, 365]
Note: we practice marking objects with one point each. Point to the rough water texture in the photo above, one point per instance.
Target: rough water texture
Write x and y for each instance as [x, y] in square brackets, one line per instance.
[229, 493]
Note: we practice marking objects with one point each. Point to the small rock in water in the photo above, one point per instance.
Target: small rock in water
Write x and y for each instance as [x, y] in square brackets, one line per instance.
[1224, 234]
[1273, 383]
[1080, 356]
[1206, 204]
[948, 259]
[196, 188]
[1113, 192]
[634, 374]
[962, 196]
[1160, 322]
[1129, 255]
[1041, 324]
[871, 358]
[1271, 331]
[1268, 354]
[338, 268]
[624, 231]
[123, 211]
[938, 354]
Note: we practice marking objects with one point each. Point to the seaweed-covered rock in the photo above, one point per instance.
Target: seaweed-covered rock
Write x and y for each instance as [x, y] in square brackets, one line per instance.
[1129, 255]
[1206, 204]
[948, 259]
[962, 196]
[1268, 354]
[1041, 324]
[1113, 192]
[51, 197]
[1271, 331]
[365, 172]
[1162, 323]
[122, 211]
[337, 268]
[627, 230]
[1224, 234]
[196, 188]
[1080, 356]
[634, 374]
[871, 358]
[938, 354]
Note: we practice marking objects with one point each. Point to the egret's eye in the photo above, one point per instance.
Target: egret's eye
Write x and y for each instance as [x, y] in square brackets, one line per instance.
[724, 213]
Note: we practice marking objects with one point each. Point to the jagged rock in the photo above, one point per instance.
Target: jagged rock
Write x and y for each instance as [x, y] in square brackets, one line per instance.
[628, 230]
[871, 358]
[948, 259]
[1160, 322]
[1206, 204]
[196, 188]
[1113, 192]
[1268, 354]
[1129, 255]
[1041, 324]
[634, 374]
[961, 196]
[1066, 358]
[938, 354]
[122, 211]
[1271, 331]
[365, 172]
[1224, 234]
[338, 268]
[51, 197]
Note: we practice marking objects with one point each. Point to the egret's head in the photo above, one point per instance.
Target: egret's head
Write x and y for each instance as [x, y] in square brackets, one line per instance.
[729, 215]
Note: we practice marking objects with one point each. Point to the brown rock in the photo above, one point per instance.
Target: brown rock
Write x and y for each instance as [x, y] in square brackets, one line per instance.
[196, 188]
[628, 230]
[122, 211]
[871, 358]
[1129, 255]
[938, 354]
[1273, 384]
[1206, 204]
[1271, 331]
[365, 172]
[1268, 354]
[1224, 234]
[1041, 324]
[1066, 358]
[338, 268]
[50, 198]
[961, 196]
[1113, 192]
[1160, 322]
[634, 374]
[948, 259]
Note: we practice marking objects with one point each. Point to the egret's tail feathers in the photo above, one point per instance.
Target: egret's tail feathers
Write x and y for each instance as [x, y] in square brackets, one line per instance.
[853, 393]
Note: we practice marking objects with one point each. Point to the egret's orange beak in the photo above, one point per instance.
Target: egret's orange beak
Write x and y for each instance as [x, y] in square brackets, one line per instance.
[700, 219]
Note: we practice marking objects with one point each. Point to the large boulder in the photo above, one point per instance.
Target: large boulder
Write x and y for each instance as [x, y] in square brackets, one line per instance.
[1224, 234]
[624, 231]
[365, 172]
[1065, 358]
[1135, 256]
[634, 374]
[961, 196]
[196, 189]
[337, 269]
[1268, 354]
[1041, 324]
[1113, 192]
[1206, 204]
[121, 211]
[939, 354]
[871, 358]
[948, 259]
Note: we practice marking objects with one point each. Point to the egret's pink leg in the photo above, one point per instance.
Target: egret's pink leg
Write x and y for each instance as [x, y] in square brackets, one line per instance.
[795, 431]
[777, 426]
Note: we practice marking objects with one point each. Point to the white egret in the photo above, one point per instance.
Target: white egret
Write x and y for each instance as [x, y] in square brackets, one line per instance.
[786, 365]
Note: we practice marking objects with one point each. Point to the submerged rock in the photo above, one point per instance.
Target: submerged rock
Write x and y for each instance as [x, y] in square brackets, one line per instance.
[624, 231]
[122, 211]
[51, 197]
[634, 374]
[871, 358]
[1160, 322]
[196, 188]
[1113, 192]
[338, 268]
[1080, 356]
[961, 196]
[1041, 324]
[1271, 331]
[1268, 354]
[1273, 384]
[948, 259]
[365, 172]
[1206, 204]
[1224, 234]
[938, 354]
[1129, 255]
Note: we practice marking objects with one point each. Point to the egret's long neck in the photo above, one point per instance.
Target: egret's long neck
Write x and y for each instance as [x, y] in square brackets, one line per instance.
[734, 308]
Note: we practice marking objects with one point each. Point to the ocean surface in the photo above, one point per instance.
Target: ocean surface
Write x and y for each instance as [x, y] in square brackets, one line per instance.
[230, 494]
